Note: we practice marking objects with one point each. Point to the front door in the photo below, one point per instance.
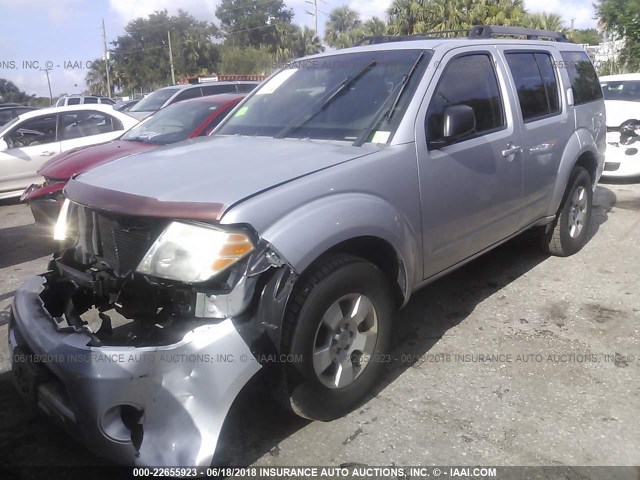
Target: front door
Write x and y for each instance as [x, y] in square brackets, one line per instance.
[470, 187]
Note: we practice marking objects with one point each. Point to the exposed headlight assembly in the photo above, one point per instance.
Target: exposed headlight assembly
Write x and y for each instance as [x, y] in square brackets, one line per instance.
[194, 253]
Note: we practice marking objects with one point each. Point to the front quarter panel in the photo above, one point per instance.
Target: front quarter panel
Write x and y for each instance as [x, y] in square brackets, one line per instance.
[376, 195]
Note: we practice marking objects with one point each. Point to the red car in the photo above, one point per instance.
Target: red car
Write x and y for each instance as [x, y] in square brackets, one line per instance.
[187, 119]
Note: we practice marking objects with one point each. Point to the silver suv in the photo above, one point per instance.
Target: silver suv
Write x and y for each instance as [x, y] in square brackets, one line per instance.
[286, 242]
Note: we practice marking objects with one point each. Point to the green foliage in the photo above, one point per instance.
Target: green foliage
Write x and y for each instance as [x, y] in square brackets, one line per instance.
[588, 36]
[140, 58]
[10, 93]
[251, 23]
[245, 61]
[343, 26]
[621, 17]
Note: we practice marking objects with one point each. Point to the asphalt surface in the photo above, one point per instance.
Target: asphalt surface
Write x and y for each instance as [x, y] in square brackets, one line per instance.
[515, 359]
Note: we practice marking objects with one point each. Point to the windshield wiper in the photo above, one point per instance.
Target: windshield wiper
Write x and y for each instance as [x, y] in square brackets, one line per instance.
[388, 107]
[324, 102]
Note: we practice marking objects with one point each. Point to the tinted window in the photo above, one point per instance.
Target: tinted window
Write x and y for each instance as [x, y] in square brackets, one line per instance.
[172, 124]
[154, 101]
[584, 80]
[107, 101]
[60, 102]
[246, 87]
[621, 90]
[87, 123]
[36, 131]
[455, 88]
[5, 116]
[535, 82]
[187, 94]
[73, 101]
[90, 100]
[215, 89]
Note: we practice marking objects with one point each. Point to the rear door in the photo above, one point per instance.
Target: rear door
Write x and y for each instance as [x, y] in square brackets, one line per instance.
[87, 127]
[31, 143]
[545, 121]
[471, 190]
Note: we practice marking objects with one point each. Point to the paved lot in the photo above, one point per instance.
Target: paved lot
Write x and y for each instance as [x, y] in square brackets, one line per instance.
[538, 403]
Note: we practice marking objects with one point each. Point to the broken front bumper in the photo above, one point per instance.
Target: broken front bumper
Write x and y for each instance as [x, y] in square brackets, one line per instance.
[162, 405]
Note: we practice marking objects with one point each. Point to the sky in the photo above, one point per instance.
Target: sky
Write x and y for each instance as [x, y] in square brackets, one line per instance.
[66, 35]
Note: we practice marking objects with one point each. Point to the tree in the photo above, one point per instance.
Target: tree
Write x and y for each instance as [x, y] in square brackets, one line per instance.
[342, 22]
[246, 60]
[621, 18]
[375, 27]
[96, 78]
[589, 36]
[140, 58]
[252, 23]
[544, 21]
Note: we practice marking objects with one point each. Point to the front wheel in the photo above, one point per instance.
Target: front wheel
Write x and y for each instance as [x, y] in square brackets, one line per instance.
[337, 327]
[568, 233]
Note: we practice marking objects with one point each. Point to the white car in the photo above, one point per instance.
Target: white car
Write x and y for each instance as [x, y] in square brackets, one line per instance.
[622, 101]
[31, 139]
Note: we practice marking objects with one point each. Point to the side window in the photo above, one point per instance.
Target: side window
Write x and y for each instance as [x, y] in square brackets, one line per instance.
[5, 116]
[454, 88]
[86, 123]
[536, 84]
[60, 102]
[246, 87]
[187, 94]
[584, 79]
[90, 100]
[73, 101]
[216, 89]
[36, 131]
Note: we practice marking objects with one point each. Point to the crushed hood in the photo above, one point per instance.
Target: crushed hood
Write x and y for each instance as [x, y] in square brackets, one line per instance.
[202, 178]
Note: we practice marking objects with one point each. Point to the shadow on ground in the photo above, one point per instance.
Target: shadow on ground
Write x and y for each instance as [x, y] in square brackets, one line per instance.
[24, 243]
[256, 425]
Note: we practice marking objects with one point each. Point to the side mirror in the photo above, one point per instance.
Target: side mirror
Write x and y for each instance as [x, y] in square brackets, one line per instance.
[4, 146]
[459, 120]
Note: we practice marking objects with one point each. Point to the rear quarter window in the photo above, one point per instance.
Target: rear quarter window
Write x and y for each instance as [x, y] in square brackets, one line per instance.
[584, 79]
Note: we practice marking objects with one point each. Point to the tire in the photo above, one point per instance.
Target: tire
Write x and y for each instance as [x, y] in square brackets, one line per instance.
[568, 233]
[313, 385]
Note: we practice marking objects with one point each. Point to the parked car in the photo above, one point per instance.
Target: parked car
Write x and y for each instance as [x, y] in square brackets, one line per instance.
[31, 139]
[10, 111]
[168, 95]
[82, 100]
[622, 100]
[286, 242]
[189, 119]
[125, 105]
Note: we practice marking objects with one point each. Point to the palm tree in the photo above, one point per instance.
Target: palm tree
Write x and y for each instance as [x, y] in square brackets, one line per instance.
[544, 21]
[311, 43]
[375, 27]
[341, 20]
[96, 78]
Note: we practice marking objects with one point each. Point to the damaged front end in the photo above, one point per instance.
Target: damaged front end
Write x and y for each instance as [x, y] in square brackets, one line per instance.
[141, 366]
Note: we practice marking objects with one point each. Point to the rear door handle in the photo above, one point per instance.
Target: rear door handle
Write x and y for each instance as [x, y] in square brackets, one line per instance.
[47, 153]
[511, 150]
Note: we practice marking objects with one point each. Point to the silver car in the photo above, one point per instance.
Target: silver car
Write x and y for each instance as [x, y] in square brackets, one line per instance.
[286, 242]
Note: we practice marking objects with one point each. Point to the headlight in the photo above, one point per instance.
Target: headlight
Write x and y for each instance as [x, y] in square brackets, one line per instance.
[60, 230]
[194, 253]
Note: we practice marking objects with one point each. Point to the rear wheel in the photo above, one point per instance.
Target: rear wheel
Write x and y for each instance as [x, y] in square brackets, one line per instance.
[337, 328]
[568, 233]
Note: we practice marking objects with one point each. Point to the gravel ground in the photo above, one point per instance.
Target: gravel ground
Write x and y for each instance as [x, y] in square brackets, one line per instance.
[488, 365]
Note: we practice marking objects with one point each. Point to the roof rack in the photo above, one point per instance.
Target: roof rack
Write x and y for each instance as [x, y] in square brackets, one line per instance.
[477, 32]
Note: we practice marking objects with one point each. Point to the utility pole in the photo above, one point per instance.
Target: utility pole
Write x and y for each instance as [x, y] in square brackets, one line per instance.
[106, 59]
[46, 70]
[173, 72]
[314, 14]
[572, 20]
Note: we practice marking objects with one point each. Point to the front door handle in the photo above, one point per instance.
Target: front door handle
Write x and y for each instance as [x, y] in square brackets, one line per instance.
[47, 153]
[511, 150]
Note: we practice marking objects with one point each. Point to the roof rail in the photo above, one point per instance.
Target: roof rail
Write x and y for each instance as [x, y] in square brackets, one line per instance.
[477, 32]
[489, 31]
[372, 40]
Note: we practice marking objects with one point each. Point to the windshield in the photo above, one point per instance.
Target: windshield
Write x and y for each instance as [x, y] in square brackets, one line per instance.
[172, 124]
[627, 90]
[154, 101]
[340, 97]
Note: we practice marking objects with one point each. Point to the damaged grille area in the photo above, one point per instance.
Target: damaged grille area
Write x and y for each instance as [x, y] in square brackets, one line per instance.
[120, 242]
